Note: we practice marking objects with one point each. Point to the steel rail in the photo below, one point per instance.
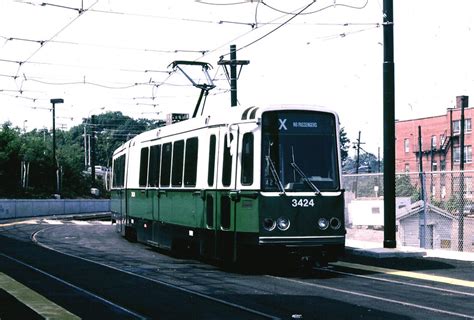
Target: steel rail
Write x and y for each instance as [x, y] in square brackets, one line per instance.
[374, 297]
[161, 282]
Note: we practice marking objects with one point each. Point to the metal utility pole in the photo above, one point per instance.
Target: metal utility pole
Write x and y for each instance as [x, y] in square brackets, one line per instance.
[389, 126]
[464, 104]
[423, 192]
[357, 165]
[55, 162]
[233, 63]
[358, 155]
[92, 151]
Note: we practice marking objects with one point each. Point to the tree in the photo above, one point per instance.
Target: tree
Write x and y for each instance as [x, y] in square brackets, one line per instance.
[345, 144]
[404, 188]
[9, 160]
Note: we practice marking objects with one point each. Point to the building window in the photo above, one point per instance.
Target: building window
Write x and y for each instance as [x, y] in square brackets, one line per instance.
[433, 142]
[406, 144]
[434, 166]
[407, 167]
[468, 187]
[468, 191]
[442, 138]
[457, 126]
[467, 154]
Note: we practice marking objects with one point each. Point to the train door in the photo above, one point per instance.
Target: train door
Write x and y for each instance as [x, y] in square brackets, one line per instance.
[153, 182]
[208, 203]
[226, 199]
[119, 193]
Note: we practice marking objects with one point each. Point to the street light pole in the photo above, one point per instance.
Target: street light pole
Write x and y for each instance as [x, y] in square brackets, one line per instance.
[55, 162]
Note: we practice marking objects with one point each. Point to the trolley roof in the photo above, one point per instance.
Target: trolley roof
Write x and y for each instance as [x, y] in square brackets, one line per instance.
[234, 115]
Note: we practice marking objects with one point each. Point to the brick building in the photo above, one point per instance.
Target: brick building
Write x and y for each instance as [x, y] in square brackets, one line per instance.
[440, 141]
[440, 146]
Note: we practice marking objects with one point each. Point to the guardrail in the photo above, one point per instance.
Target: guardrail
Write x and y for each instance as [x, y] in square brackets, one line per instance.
[21, 208]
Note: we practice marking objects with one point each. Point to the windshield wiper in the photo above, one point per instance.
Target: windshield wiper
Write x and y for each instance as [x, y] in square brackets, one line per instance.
[305, 178]
[275, 175]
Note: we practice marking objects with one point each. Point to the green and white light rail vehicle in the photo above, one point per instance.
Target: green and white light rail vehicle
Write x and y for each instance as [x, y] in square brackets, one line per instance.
[249, 180]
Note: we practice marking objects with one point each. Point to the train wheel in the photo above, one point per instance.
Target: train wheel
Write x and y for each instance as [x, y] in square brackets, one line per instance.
[130, 234]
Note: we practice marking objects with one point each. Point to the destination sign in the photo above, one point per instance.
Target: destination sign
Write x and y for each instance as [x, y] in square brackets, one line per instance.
[288, 122]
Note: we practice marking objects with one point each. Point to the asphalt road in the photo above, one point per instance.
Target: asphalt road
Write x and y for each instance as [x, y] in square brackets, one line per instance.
[87, 270]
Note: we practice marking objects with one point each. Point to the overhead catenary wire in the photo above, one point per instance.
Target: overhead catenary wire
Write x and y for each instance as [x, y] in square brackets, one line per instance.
[318, 10]
[106, 84]
[278, 27]
[56, 34]
[224, 3]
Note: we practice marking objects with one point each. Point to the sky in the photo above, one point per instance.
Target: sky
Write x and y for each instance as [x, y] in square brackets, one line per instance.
[113, 55]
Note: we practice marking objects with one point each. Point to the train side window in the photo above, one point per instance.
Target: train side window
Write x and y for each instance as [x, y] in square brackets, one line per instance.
[154, 169]
[225, 212]
[190, 162]
[227, 163]
[177, 171]
[247, 159]
[143, 167]
[212, 160]
[166, 165]
[210, 210]
[119, 172]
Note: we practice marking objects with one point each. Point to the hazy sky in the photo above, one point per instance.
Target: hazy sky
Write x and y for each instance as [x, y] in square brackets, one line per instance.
[114, 56]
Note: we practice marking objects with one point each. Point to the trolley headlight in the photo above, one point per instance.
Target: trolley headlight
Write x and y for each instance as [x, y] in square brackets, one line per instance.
[335, 223]
[283, 223]
[269, 224]
[323, 223]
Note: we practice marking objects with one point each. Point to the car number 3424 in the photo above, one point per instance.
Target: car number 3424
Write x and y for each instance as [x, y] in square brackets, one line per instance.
[302, 203]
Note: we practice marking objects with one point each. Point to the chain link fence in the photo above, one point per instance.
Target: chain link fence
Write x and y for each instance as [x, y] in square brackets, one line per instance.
[434, 210]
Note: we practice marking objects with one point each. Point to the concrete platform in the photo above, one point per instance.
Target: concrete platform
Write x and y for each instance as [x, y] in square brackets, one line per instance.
[383, 253]
[376, 250]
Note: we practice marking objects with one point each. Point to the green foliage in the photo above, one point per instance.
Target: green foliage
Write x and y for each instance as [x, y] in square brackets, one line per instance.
[10, 145]
[33, 150]
[405, 188]
[345, 143]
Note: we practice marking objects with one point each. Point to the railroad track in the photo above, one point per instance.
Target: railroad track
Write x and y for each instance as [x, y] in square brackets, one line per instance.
[343, 290]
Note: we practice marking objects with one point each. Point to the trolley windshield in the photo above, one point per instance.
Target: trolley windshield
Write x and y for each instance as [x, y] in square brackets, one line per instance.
[299, 151]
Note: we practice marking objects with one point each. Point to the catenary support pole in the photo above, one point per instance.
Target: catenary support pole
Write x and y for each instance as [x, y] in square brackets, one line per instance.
[92, 147]
[55, 161]
[422, 220]
[233, 63]
[233, 76]
[464, 104]
[389, 126]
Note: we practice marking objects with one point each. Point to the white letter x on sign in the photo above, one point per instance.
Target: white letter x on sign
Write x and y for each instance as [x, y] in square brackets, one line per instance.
[282, 124]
